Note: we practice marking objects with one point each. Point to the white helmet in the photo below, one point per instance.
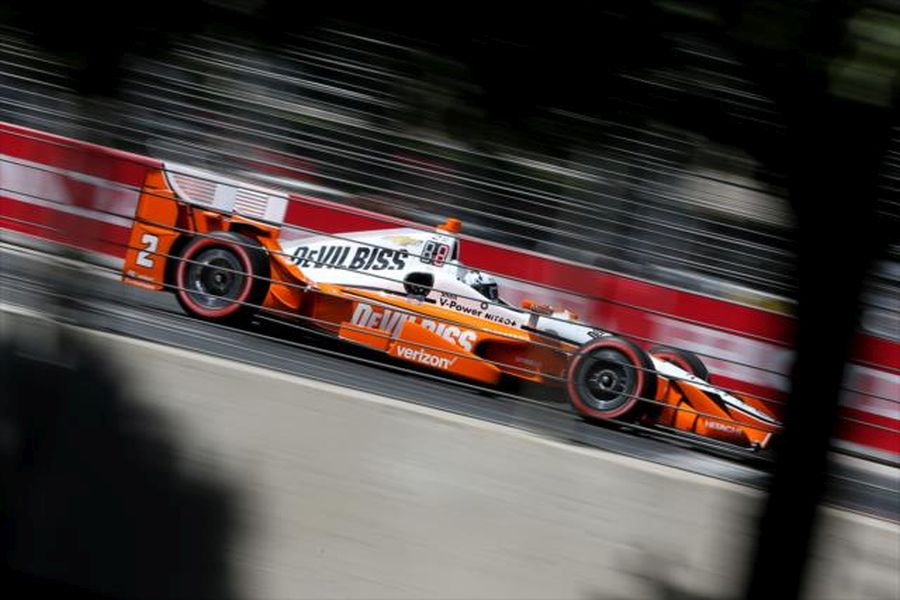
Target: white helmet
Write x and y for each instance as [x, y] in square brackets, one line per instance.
[482, 283]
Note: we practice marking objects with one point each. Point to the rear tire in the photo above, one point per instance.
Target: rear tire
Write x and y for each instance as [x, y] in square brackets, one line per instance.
[688, 361]
[222, 277]
[612, 377]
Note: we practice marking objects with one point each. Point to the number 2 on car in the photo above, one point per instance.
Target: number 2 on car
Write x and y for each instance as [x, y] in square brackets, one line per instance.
[144, 257]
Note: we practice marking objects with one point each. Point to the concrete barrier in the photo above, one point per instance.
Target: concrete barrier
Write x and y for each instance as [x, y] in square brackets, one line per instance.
[353, 495]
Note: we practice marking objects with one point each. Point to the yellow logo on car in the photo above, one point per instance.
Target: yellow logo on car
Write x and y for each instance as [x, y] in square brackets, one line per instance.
[404, 240]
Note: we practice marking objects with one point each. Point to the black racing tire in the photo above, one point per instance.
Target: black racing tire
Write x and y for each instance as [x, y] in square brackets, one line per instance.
[222, 277]
[684, 359]
[611, 378]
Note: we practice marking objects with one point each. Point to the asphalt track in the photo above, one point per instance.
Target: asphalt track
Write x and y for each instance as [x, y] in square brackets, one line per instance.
[42, 282]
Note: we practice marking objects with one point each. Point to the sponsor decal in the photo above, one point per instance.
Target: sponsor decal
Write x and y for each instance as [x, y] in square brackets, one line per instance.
[460, 307]
[392, 321]
[404, 240]
[424, 357]
[716, 425]
[501, 319]
[354, 258]
[481, 311]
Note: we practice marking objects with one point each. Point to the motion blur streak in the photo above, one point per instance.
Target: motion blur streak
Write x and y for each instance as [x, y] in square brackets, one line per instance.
[752, 364]
[717, 176]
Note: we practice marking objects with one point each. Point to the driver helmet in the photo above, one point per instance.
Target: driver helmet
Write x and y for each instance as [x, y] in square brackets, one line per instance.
[482, 283]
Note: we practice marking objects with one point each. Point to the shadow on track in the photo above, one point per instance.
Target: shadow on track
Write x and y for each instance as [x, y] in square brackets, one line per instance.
[93, 502]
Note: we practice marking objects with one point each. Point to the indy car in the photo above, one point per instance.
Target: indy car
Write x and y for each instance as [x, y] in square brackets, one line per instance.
[222, 248]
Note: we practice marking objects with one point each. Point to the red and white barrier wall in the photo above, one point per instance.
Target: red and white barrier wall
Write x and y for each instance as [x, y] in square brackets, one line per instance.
[85, 195]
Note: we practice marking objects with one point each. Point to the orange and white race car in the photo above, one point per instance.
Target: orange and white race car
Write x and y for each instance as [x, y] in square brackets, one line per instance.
[221, 247]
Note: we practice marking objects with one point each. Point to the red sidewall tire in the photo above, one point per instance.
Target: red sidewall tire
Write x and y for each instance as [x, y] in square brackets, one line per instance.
[192, 249]
[645, 377]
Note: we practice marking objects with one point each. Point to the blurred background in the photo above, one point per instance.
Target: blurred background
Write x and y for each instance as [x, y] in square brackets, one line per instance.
[635, 136]
[747, 152]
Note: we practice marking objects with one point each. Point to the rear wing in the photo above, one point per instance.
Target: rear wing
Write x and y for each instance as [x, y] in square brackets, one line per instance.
[225, 195]
[160, 219]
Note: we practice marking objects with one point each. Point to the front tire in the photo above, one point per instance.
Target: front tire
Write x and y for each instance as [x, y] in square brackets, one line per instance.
[687, 361]
[610, 378]
[222, 277]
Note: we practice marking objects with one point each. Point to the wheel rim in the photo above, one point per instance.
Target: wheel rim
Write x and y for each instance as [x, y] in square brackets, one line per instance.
[607, 383]
[214, 278]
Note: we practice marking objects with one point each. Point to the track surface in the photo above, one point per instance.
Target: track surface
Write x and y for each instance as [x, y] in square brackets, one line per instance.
[31, 280]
